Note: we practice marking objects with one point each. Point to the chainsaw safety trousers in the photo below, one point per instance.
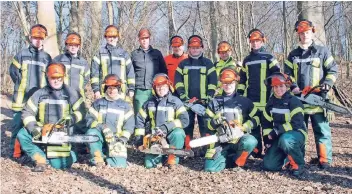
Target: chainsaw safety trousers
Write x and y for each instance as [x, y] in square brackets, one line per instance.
[176, 140]
[40, 157]
[289, 145]
[231, 154]
[112, 60]
[99, 152]
[313, 67]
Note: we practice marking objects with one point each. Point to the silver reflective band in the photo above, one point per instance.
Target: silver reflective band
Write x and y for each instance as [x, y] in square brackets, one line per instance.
[280, 111]
[34, 63]
[305, 60]
[51, 101]
[256, 62]
[194, 67]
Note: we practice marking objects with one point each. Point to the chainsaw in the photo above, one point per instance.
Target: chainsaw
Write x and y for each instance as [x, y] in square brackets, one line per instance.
[309, 96]
[155, 144]
[195, 107]
[226, 132]
[61, 133]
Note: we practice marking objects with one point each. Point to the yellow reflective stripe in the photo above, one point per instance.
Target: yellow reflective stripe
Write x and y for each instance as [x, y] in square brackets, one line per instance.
[23, 84]
[63, 148]
[263, 88]
[152, 121]
[131, 81]
[66, 110]
[211, 70]
[266, 131]
[289, 64]
[203, 83]
[29, 119]
[94, 80]
[96, 59]
[183, 96]
[170, 114]
[287, 126]
[267, 117]
[143, 113]
[304, 133]
[309, 109]
[177, 123]
[126, 134]
[254, 110]
[17, 107]
[128, 61]
[247, 76]
[287, 117]
[209, 125]
[179, 84]
[87, 73]
[94, 124]
[179, 70]
[57, 154]
[78, 116]
[41, 112]
[273, 63]
[185, 80]
[77, 104]
[257, 120]
[180, 110]
[31, 105]
[248, 125]
[295, 71]
[328, 61]
[331, 77]
[241, 87]
[315, 68]
[16, 64]
[212, 87]
[93, 112]
[139, 131]
[210, 153]
[128, 114]
[209, 112]
[296, 110]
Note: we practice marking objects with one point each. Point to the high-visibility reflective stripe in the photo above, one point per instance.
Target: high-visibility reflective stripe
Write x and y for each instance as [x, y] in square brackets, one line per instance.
[247, 76]
[100, 117]
[87, 73]
[180, 110]
[316, 72]
[93, 112]
[203, 83]
[17, 107]
[267, 117]
[78, 116]
[256, 118]
[328, 61]
[32, 106]
[179, 84]
[212, 87]
[185, 80]
[209, 113]
[304, 133]
[23, 84]
[128, 61]
[66, 111]
[94, 80]
[296, 110]
[111, 110]
[211, 70]
[209, 125]
[126, 134]
[308, 109]
[96, 59]
[297, 60]
[42, 112]
[256, 62]
[331, 77]
[16, 64]
[128, 115]
[210, 153]
[253, 112]
[57, 154]
[241, 87]
[53, 101]
[104, 69]
[177, 123]
[248, 125]
[263, 88]
[287, 126]
[280, 110]
[152, 120]
[94, 124]
[139, 131]
[289, 64]
[287, 117]
[273, 63]
[63, 148]
[77, 104]
[183, 96]
[179, 70]
[29, 119]
[122, 71]
[131, 81]
[193, 67]
[38, 63]
[295, 71]
[143, 113]
[266, 131]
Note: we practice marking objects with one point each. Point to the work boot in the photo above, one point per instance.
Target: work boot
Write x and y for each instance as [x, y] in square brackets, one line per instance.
[324, 165]
[314, 161]
[238, 169]
[100, 164]
[297, 172]
[39, 168]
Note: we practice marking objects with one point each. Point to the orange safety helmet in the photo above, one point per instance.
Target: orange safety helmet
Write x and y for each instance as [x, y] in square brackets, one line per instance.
[112, 80]
[228, 75]
[73, 38]
[55, 70]
[176, 41]
[224, 46]
[161, 79]
[111, 31]
[144, 33]
[38, 31]
[277, 79]
[304, 25]
[195, 41]
[256, 34]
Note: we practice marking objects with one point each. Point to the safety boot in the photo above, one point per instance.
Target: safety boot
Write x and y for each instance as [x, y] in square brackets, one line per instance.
[297, 172]
[324, 165]
[39, 168]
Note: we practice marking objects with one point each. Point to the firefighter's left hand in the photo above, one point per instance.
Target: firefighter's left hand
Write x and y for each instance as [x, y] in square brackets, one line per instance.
[273, 134]
[161, 131]
[131, 93]
[108, 134]
[296, 90]
[123, 140]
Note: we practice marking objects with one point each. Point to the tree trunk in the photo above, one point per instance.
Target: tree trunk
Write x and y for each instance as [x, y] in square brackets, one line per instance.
[81, 31]
[22, 15]
[285, 29]
[46, 17]
[96, 25]
[110, 12]
[171, 22]
[74, 16]
[239, 31]
[214, 32]
[313, 11]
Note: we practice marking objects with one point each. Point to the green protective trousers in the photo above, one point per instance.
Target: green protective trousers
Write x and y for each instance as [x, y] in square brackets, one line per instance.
[231, 154]
[140, 97]
[38, 155]
[16, 125]
[322, 136]
[99, 151]
[291, 143]
[257, 133]
[176, 139]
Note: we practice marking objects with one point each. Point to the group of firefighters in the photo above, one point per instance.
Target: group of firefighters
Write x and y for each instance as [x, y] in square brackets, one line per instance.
[143, 93]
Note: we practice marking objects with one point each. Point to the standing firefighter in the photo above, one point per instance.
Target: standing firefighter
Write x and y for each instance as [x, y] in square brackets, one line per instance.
[312, 65]
[43, 109]
[257, 66]
[195, 77]
[173, 60]
[226, 60]
[237, 110]
[111, 119]
[112, 59]
[147, 62]
[167, 117]
[27, 72]
[284, 132]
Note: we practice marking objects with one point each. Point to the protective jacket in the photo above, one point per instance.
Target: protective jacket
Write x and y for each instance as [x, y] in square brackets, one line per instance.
[112, 60]
[77, 71]
[168, 111]
[147, 63]
[257, 66]
[172, 63]
[283, 114]
[196, 78]
[48, 105]
[27, 72]
[221, 64]
[311, 67]
[116, 115]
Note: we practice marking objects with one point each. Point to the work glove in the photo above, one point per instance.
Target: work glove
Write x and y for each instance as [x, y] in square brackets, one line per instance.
[36, 134]
[274, 133]
[330, 115]
[109, 135]
[122, 140]
[161, 131]
[138, 140]
[324, 90]
[117, 149]
[267, 141]
[217, 121]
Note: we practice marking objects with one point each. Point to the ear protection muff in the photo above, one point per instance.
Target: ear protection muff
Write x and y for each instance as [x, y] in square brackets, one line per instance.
[309, 22]
[260, 32]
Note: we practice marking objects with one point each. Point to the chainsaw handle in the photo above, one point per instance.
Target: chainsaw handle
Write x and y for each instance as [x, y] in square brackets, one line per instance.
[308, 90]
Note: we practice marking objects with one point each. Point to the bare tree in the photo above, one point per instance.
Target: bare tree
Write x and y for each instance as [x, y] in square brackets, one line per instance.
[110, 12]
[96, 25]
[214, 31]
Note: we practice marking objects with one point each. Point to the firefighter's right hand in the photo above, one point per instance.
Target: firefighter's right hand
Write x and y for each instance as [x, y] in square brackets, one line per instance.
[108, 134]
[296, 90]
[97, 95]
[138, 140]
[36, 134]
[217, 121]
